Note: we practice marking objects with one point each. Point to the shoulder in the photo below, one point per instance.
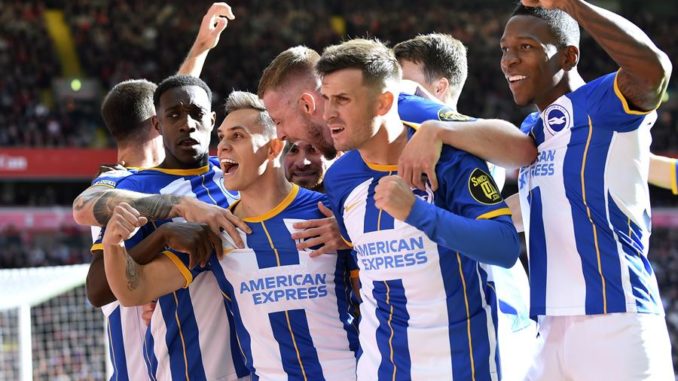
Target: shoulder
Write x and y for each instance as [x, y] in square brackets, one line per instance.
[346, 164]
[112, 177]
[416, 109]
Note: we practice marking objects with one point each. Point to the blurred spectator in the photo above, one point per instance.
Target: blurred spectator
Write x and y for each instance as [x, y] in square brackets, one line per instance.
[123, 39]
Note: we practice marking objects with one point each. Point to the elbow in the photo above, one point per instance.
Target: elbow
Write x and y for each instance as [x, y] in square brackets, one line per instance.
[78, 213]
[94, 294]
[658, 77]
[510, 252]
[131, 300]
[525, 153]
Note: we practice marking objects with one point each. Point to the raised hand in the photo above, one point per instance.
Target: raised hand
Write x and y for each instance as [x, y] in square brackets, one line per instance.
[420, 156]
[213, 23]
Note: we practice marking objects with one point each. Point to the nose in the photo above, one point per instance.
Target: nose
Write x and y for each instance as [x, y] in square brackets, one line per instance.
[328, 111]
[280, 131]
[223, 146]
[303, 161]
[508, 59]
[190, 124]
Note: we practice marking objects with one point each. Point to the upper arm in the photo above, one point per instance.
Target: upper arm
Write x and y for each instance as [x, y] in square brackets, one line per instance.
[98, 291]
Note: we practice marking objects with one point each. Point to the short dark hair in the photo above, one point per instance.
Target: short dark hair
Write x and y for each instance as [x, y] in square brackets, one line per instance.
[180, 81]
[294, 63]
[126, 107]
[564, 28]
[441, 54]
[373, 58]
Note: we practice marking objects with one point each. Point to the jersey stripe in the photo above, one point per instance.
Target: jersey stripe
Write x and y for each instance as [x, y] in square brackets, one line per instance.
[117, 347]
[537, 243]
[391, 336]
[299, 358]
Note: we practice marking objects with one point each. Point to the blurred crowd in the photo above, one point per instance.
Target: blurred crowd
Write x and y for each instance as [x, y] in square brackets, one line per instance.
[67, 246]
[117, 40]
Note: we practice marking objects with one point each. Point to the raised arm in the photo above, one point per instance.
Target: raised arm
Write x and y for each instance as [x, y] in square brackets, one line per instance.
[213, 23]
[663, 172]
[494, 140]
[645, 70]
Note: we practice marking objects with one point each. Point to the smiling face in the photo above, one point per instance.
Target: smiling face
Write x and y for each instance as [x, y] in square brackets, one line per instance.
[305, 165]
[243, 148]
[349, 109]
[532, 61]
[185, 121]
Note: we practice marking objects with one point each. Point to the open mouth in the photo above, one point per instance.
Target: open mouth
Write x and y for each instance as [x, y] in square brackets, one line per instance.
[515, 78]
[229, 166]
[335, 129]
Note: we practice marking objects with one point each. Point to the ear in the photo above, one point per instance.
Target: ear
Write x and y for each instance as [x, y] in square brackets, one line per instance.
[385, 102]
[307, 102]
[275, 147]
[213, 120]
[156, 124]
[570, 57]
[440, 87]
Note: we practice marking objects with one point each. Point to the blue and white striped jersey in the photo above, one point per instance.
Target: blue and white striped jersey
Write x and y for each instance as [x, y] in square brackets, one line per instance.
[292, 312]
[125, 330]
[426, 312]
[191, 335]
[586, 207]
[511, 285]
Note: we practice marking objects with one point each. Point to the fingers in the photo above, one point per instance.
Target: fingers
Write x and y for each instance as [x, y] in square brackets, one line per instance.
[305, 225]
[325, 210]
[238, 222]
[222, 9]
[309, 233]
[405, 172]
[432, 179]
[215, 241]
[322, 250]
[308, 243]
[233, 233]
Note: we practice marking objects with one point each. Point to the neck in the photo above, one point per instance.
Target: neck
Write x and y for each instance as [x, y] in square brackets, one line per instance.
[386, 146]
[451, 101]
[172, 162]
[570, 82]
[141, 155]
[267, 192]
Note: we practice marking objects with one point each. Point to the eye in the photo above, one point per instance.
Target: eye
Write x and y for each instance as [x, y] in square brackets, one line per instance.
[237, 135]
[525, 46]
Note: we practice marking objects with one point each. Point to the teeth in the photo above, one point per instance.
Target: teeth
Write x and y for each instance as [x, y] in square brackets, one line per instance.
[228, 161]
[516, 77]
